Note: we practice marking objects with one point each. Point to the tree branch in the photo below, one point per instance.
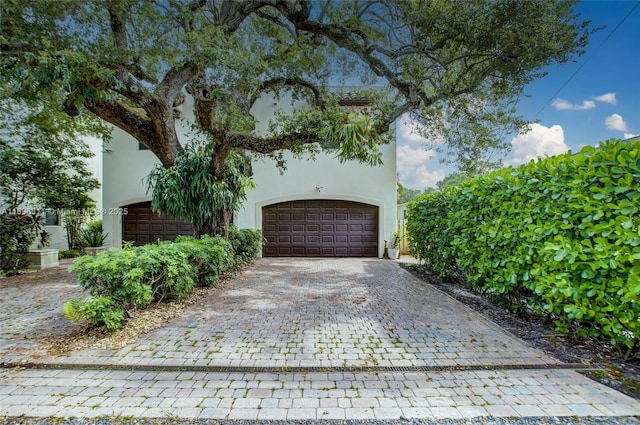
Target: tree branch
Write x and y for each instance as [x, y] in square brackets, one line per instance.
[174, 80]
[289, 81]
[341, 37]
[140, 125]
[383, 126]
[17, 48]
[266, 145]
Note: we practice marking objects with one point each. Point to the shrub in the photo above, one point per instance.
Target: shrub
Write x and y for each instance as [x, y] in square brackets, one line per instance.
[73, 220]
[246, 243]
[71, 253]
[104, 313]
[137, 276]
[559, 237]
[18, 232]
[92, 236]
[211, 256]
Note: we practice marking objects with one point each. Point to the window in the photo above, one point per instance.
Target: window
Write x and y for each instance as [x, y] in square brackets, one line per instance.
[51, 218]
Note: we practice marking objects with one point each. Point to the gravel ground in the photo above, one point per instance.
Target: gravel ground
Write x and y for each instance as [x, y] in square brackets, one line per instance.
[474, 421]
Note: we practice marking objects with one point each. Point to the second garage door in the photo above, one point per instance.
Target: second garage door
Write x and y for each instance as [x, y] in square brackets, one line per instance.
[320, 228]
[142, 226]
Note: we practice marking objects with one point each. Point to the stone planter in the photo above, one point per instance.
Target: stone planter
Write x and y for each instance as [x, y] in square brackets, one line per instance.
[42, 258]
[94, 250]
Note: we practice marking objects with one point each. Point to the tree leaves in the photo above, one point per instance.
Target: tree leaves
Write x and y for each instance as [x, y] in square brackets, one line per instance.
[457, 67]
[191, 191]
[42, 155]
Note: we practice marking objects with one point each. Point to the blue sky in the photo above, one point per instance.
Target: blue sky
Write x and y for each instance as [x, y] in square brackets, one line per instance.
[576, 104]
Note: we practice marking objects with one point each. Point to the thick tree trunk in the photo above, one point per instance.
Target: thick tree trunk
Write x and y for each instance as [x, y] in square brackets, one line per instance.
[219, 228]
[222, 224]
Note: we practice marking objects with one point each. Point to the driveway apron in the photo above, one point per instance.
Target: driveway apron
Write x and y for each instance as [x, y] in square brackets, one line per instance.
[315, 339]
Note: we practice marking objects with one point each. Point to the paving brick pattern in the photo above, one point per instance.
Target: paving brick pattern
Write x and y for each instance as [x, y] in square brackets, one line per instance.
[455, 394]
[31, 307]
[285, 313]
[345, 312]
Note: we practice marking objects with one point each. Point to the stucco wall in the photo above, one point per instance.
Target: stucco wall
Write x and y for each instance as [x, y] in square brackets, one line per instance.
[325, 178]
[126, 167]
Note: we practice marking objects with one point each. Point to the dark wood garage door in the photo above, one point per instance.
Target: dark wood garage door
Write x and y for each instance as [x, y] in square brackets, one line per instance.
[142, 226]
[320, 228]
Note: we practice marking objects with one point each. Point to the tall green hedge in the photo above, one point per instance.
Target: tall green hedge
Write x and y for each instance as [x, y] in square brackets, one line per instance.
[560, 236]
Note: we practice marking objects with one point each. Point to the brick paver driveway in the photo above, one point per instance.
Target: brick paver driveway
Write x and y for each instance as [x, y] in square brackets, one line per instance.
[315, 339]
[319, 312]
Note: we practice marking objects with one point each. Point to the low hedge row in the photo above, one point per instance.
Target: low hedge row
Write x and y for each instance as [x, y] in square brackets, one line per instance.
[120, 280]
[560, 236]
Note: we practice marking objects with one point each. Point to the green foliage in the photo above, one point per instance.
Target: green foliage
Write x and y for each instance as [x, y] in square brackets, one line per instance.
[458, 78]
[209, 256]
[93, 236]
[101, 312]
[396, 240]
[18, 231]
[73, 309]
[189, 190]
[560, 237]
[73, 220]
[42, 156]
[354, 137]
[451, 180]
[406, 194]
[104, 312]
[246, 243]
[456, 66]
[125, 279]
[70, 253]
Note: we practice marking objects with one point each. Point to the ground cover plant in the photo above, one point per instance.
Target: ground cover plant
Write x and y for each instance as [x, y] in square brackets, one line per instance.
[121, 280]
[559, 237]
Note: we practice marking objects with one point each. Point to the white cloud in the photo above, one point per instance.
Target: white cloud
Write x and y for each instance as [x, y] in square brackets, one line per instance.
[606, 98]
[409, 133]
[540, 141]
[562, 105]
[629, 135]
[423, 178]
[411, 157]
[615, 122]
[413, 168]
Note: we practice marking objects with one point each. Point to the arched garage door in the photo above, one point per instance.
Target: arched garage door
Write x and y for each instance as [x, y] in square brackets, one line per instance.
[142, 226]
[320, 228]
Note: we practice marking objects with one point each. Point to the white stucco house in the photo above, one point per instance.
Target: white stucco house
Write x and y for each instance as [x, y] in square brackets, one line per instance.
[315, 208]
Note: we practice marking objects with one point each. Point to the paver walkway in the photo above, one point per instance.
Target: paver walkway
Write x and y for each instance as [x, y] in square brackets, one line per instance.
[312, 339]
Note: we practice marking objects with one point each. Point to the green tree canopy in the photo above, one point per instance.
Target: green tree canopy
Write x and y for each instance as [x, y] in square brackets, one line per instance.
[406, 194]
[43, 157]
[452, 179]
[128, 62]
[42, 165]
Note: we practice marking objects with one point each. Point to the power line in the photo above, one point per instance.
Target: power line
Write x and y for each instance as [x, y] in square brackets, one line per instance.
[590, 56]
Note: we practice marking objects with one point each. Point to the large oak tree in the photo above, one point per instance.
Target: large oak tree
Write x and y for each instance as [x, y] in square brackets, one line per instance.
[454, 66]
